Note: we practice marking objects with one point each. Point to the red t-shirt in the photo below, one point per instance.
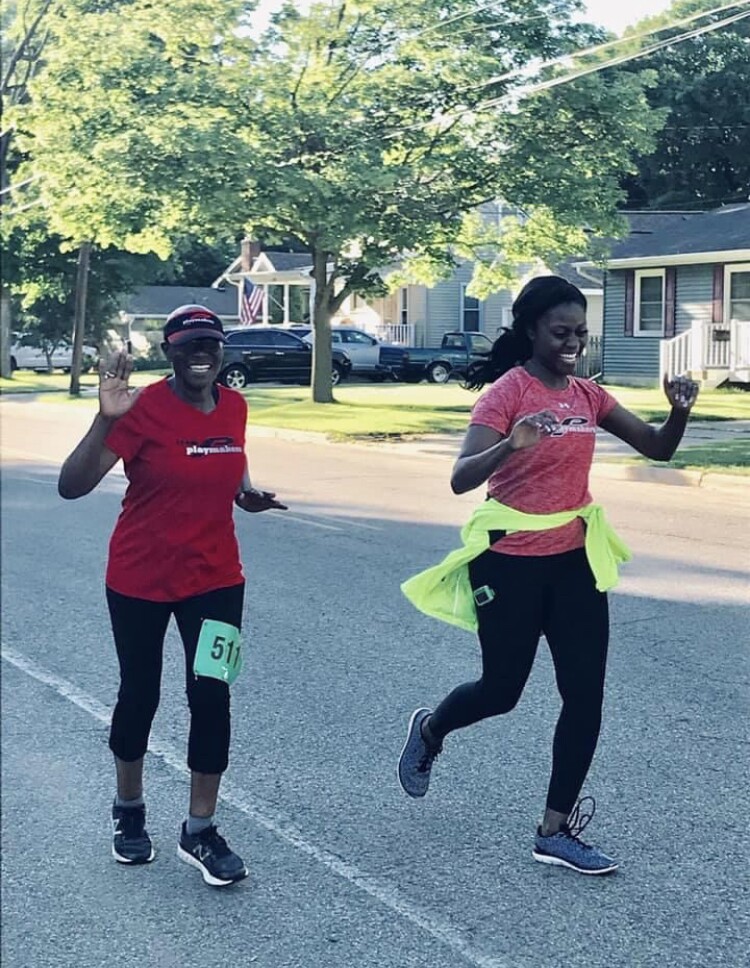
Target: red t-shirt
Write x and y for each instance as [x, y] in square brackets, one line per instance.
[554, 475]
[175, 534]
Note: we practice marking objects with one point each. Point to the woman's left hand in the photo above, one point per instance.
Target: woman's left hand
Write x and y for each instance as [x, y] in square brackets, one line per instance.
[254, 501]
[681, 392]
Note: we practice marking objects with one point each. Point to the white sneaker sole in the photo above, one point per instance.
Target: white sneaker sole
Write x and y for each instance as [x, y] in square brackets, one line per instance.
[207, 876]
[133, 863]
[413, 796]
[559, 862]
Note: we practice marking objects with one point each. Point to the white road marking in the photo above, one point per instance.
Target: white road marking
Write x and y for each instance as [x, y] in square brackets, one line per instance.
[297, 519]
[233, 795]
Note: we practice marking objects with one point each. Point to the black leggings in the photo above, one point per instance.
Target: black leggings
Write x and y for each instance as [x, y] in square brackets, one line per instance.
[554, 595]
[139, 628]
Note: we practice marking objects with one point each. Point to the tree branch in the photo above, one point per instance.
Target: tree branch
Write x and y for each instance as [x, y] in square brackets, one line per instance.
[20, 51]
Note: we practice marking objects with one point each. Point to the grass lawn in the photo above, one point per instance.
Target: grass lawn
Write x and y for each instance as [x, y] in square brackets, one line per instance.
[390, 410]
[722, 456]
[26, 381]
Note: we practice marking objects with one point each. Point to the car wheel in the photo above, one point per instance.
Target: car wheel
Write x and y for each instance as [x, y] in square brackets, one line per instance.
[235, 377]
[336, 375]
[439, 373]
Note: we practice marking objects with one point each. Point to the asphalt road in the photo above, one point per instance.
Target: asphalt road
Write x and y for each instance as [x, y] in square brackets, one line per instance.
[346, 872]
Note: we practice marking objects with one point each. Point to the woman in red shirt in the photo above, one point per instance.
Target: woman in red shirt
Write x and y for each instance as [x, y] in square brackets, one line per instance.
[173, 552]
[531, 438]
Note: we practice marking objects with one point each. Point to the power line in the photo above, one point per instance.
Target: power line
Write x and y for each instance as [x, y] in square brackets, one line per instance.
[517, 72]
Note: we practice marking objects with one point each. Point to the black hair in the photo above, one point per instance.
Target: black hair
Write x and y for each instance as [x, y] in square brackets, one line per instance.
[513, 346]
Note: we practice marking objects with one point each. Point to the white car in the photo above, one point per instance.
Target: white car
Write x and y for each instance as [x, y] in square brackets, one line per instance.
[25, 355]
[369, 356]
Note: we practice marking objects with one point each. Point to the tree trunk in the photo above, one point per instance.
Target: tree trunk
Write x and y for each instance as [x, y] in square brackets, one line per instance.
[322, 390]
[5, 334]
[79, 319]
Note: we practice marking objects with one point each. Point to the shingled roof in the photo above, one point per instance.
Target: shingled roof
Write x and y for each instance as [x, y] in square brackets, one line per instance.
[654, 234]
[161, 300]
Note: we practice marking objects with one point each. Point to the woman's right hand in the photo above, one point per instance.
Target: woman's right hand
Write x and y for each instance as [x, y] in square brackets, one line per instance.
[115, 397]
[529, 430]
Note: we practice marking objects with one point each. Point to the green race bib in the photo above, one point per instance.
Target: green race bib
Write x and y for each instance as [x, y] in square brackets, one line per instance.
[218, 655]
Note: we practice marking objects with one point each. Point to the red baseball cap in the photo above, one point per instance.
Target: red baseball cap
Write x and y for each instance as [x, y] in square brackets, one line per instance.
[192, 322]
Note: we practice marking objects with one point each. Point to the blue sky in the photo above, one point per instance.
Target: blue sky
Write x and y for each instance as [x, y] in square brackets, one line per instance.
[614, 14]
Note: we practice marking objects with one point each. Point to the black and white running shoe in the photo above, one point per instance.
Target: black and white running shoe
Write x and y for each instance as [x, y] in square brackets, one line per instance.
[131, 843]
[212, 855]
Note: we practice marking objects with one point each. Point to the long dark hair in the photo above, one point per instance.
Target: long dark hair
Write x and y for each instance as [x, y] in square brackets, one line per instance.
[513, 346]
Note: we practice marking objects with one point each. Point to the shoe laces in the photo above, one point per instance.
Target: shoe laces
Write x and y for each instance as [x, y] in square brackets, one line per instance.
[131, 823]
[214, 841]
[428, 758]
[580, 817]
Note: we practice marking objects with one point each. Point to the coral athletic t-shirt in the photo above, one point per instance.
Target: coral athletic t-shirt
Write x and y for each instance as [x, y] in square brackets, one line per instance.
[175, 535]
[554, 475]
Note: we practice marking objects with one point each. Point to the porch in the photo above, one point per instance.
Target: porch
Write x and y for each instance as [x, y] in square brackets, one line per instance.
[712, 353]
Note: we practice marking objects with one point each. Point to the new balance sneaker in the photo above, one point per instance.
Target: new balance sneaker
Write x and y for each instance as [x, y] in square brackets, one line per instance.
[211, 854]
[417, 757]
[566, 849]
[131, 843]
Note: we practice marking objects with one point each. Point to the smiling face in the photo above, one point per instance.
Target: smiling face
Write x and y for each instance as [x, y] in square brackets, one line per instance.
[559, 338]
[196, 362]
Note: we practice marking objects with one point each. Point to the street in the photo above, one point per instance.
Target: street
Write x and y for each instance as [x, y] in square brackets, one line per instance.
[346, 872]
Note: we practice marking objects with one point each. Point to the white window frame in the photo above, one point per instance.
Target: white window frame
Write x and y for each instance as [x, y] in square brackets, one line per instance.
[641, 274]
[403, 306]
[729, 271]
[480, 312]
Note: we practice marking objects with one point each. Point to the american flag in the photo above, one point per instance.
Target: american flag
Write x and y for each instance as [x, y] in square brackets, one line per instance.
[251, 302]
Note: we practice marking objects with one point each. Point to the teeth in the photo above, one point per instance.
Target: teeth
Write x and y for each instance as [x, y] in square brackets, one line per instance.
[202, 368]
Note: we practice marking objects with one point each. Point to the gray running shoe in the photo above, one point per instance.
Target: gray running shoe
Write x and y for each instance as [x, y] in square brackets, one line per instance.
[566, 849]
[417, 757]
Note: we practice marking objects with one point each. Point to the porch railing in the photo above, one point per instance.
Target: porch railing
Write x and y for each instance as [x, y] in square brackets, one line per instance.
[402, 334]
[716, 339]
[739, 345]
[590, 365]
[676, 355]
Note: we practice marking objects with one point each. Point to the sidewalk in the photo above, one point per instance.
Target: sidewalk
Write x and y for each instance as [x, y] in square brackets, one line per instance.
[446, 447]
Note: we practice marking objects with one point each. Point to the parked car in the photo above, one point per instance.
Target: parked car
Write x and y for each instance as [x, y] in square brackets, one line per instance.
[25, 354]
[451, 358]
[258, 353]
[370, 357]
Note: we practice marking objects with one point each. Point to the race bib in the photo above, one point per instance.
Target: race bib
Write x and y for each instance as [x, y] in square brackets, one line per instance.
[219, 653]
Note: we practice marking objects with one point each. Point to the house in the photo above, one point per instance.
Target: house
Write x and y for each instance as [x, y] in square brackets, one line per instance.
[677, 298]
[412, 315]
[145, 311]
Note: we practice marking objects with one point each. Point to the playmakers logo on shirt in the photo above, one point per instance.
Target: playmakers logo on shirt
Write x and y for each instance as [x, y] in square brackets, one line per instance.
[211, 445]
[570, 424]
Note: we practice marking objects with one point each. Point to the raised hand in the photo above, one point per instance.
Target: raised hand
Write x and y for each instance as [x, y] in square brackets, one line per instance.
[115, 396]
[681, 392]
[529, 430]
[254, 501]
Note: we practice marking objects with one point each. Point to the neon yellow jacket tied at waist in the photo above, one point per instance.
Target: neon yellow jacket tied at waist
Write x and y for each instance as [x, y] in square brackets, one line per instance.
[444, 591]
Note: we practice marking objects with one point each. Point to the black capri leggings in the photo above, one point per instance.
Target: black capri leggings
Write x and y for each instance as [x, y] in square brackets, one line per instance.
[554, 595]
[139, 628]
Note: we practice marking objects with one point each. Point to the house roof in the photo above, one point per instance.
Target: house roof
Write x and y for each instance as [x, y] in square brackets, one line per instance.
[282, 261]
[656, 234]
[161, 300]
[594, 278]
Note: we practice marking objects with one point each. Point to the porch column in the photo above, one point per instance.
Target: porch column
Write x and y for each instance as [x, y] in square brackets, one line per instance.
[287, 290]
[265, 305]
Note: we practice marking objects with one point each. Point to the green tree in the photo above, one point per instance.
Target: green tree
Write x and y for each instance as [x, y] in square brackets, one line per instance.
[702, 156]
[375, 130]
[128, 127]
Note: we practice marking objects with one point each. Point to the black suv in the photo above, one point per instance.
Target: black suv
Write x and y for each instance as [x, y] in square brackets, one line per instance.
[266, 353]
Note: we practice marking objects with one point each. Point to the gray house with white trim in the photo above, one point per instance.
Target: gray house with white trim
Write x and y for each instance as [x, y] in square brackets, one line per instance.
[677, 298]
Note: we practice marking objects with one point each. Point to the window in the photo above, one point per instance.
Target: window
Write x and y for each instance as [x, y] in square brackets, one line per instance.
[738, 293]
[286, 341]
[354, 336]
[249, 337]
[404, 306]
[649, 302]
[470, 312]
